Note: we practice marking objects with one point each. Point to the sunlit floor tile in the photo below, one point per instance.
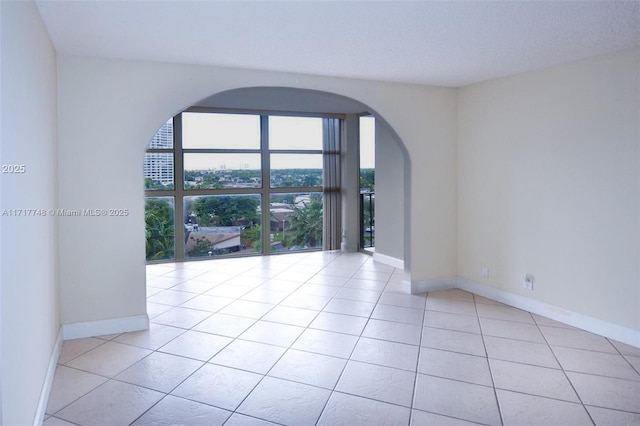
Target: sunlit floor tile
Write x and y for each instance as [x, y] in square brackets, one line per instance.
[205, 385]
[109, 359]
[181, 317]
[467, 401]
[74, 348]
[521, 409]
[306, 367]
[326, 343]
[197, 345]
[347, 410]
[159, 371]
[70, 384]
[285, 402]
[377, 382]
[131, 401]
[453, 365]
[178, 411]
[339, 323]
[249, 356]
[157, 335]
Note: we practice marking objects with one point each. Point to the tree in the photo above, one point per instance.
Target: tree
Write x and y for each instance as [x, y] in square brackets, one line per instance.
[252, 237]
[152, 184]
[159, 232]
[306, 225]
[310, 180]
[226, 210]
[368, 180]
[202, 247]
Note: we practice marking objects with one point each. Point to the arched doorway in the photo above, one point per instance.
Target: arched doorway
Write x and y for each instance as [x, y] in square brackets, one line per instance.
[266, 102]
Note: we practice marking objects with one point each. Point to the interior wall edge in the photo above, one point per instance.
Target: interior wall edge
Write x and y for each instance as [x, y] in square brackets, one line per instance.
[48, 380]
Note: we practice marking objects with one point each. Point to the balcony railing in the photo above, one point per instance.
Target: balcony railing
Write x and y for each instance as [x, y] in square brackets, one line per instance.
[367, 219]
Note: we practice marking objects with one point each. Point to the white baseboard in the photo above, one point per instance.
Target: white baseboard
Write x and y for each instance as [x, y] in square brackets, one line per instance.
[48, 381]
[584, 322]
[616, 332]
[388, 260]
[433, 285]
[103, 327]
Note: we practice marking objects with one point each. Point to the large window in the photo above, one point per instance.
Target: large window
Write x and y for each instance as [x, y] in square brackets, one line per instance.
[241, 184]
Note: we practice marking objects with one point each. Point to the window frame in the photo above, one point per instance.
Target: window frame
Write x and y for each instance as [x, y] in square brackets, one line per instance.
[179, 192]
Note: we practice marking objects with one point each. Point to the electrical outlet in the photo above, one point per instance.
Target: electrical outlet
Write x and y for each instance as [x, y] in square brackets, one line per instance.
[528, 282]
[485, 272]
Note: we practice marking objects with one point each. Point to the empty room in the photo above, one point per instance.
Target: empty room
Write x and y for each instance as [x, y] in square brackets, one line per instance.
[320, 213]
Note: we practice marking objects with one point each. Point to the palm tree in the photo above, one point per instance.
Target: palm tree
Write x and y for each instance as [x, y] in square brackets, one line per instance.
[159, 230]
[306, 225]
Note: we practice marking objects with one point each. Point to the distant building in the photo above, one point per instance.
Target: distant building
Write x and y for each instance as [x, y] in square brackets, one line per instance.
[225, 241]
[163, 139]
[158, 166]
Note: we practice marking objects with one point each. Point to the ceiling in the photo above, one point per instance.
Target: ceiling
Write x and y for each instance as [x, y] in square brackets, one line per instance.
[446, 43]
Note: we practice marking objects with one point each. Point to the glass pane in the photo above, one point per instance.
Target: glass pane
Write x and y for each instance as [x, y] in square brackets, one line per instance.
[367, 154]
[295, 133]
[160, 231]
[216, 171]
[295, 170]
[220, 131]
[158, 170]
[296, 221]
[368, 225]
[164, 138]
[222, 224]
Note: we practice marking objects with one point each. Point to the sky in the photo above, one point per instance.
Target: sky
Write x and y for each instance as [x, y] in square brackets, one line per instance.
[241, 131]
[367, 142]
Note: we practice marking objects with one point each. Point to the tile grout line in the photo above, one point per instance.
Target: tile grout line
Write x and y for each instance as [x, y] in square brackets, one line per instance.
[415, 378]
[207, 362]
[350, 355]
[484, 345]
[279, 358]
[584, 407]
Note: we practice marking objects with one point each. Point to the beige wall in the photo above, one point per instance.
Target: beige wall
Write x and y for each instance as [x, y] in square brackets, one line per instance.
[548, 184]
[390, 205]
[29, 320]
[109, 110]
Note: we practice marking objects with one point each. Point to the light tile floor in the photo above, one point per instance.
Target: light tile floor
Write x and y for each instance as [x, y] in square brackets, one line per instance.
[330, 339]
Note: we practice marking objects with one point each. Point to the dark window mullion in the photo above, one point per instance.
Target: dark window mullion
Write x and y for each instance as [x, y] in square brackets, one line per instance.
[296, 151]
[292, 189]
[179, 187]
[220, 151]
[266, 185]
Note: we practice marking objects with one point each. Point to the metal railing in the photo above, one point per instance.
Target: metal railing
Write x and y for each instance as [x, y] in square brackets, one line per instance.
[367, 219]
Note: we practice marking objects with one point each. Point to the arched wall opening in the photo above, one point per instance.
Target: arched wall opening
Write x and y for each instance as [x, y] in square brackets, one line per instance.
[109, 110]
[392, 166]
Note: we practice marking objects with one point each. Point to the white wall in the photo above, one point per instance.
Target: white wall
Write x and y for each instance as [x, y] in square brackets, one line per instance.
[29, 293]
[549, 185]
[389, 194]
[108, 111]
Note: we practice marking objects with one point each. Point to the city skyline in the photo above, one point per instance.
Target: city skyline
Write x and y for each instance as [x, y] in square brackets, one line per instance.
[244, 131]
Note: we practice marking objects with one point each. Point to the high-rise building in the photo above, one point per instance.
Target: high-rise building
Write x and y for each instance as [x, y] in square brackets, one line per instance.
[158, 166]
[163, 139]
